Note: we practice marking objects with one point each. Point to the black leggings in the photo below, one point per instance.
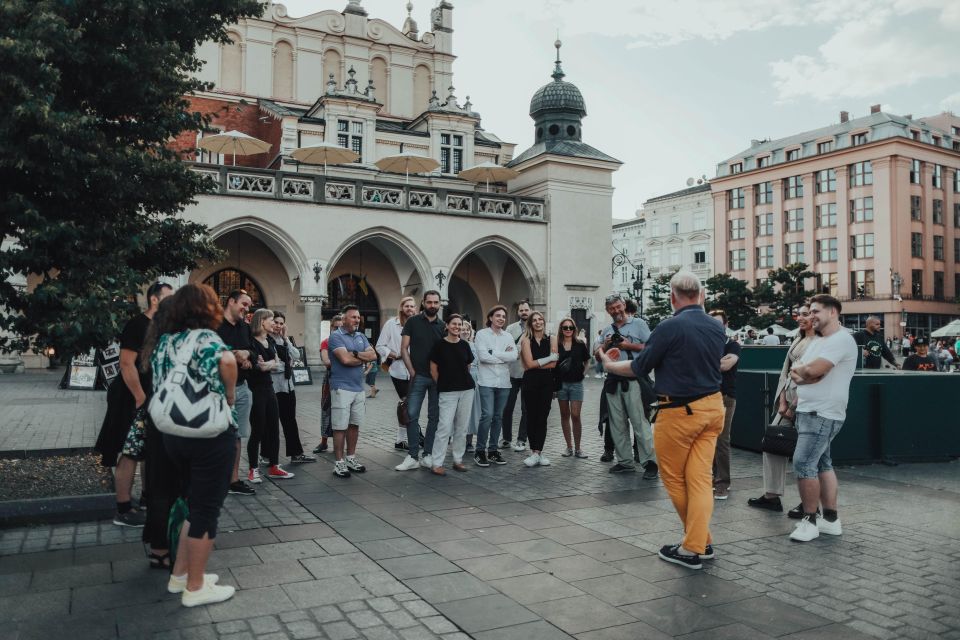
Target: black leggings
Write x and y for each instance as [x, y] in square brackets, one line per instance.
[287, 407]
[401, 386]
[264, 426]
[161, 479]
[537, 398]
[203, 466]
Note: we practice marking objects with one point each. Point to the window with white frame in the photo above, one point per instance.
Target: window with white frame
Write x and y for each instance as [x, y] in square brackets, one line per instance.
[699, 220]
[794, 252]
[451, 153]
[765, 257]
[861, 209]
[350, 136]
[861, 174]
[827, 214]
[674, 256]
[738, 229]
[826, 180]
[793, 220]
[699, 254]
[827, 250]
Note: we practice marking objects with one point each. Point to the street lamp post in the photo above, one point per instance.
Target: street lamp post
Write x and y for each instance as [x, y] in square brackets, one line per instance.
[620, 259]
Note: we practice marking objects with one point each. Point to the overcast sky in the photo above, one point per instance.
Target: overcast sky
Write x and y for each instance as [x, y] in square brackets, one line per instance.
[674, 86]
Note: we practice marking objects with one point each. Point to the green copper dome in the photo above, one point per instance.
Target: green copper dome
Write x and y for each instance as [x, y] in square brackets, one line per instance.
[558, 96]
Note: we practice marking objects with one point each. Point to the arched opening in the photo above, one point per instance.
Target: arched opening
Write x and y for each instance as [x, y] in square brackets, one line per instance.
[378, 73]
[487, 275]
[231, 65]
[228, 280]
[421, 88]
[353, 289]
[283, 71]
[331, 64]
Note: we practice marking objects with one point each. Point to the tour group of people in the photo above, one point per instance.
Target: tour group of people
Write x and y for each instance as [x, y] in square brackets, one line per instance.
[460, 390]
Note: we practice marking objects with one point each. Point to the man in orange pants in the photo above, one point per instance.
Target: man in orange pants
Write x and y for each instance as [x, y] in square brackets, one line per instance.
[684, 351]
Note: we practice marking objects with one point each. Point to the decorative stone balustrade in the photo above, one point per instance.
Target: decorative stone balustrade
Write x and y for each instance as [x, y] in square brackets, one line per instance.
[329, 190]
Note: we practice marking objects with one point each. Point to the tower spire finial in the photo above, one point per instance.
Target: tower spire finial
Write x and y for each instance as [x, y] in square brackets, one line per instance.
[558, 73]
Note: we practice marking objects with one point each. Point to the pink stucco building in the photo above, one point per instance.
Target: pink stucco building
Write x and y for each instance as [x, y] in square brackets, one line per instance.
[871, 204]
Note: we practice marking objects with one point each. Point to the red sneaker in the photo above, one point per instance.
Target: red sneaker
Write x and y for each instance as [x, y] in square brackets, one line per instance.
[276, 472]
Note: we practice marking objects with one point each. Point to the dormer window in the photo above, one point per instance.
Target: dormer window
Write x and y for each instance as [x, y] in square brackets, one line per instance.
[350, 136]
[857, 139]
[793, 154]
[825, 147]
[451, 153]
[736, 167]
[763, 161]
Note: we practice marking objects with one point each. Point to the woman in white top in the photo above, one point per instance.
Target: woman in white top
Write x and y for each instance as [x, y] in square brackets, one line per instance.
[496, 350]
[388, 346]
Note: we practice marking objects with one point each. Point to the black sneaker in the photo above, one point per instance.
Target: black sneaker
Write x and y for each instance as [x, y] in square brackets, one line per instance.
[622, 468]
[495, 457]
[469, 447]
[302, 458]
[320, 448]
[132, 518]
[708, 553]
[481, 459]
[797, 512]
[651, 471]
[770, 504]
[607, 456]
[401, 445]
[671, 553]
[505, 444]
[241, 488]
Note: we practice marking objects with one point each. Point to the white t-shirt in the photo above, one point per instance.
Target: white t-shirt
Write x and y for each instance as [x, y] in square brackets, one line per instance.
[828, 398]
[771, 340]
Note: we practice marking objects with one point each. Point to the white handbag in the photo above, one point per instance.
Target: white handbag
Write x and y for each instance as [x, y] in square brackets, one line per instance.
[186, 407]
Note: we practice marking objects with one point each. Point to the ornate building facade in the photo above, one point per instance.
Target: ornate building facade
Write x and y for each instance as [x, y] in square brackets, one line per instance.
[306, 239]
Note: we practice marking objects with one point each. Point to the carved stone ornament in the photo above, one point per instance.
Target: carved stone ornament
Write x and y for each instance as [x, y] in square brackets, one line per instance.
[336, 24]
[581, 302]
[311, 299]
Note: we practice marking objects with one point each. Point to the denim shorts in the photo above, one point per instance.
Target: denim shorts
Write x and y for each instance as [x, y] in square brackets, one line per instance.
[814, 435]
[572, 391]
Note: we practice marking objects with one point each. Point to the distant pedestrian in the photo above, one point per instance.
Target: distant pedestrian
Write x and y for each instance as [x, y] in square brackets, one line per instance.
[823, 378]
[728, 388]
[770, 339]
[684, 352]
[574, 357]
[874, 348]
[920, 360]
[349, 352]
[388, 346]
[450, 361]
[516, 380]
[420, 333]
[538, 351]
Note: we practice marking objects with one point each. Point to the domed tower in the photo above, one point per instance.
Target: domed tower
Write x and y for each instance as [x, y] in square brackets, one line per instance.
[558, 108]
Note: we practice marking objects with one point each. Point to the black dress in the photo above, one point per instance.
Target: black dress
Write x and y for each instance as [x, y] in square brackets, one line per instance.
[537, 392]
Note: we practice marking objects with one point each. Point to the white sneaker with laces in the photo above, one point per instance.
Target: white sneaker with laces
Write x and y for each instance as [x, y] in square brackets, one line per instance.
[178, 584]
[208, 594]
[544, 461]
[426, 461]
[520, 445]
[829, 528]
[532, 460]
[805, 531]
[408, 464]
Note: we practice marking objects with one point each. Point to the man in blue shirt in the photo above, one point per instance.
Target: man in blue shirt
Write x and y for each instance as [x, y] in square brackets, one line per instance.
[350, 351]
[685, 353]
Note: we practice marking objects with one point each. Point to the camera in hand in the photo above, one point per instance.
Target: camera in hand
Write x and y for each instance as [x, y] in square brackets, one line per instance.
[616, 338]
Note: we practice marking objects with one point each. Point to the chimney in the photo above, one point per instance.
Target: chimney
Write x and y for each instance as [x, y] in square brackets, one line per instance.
[874, 108]
[844, 116]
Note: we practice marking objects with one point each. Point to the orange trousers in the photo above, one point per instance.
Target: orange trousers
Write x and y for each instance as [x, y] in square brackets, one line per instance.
[685, 445]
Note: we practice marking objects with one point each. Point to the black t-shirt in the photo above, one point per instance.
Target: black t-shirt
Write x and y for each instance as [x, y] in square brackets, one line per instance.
[728, 382]
[875, 347]
[239, 338]
[578, 356]
[255, 376]
[132, 338]
[453, 365]
[423, 335]
[536, 375]
[920, 363]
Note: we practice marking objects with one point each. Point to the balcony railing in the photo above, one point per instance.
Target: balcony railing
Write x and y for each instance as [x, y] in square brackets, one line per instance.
[330, 190]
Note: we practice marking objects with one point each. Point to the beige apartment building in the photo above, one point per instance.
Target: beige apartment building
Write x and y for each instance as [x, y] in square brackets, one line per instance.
[871, 204]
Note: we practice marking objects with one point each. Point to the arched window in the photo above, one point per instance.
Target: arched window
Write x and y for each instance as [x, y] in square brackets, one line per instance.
[378, 73]
[231, 65]
[283, 71]
[331, 64]
[352, 289]
[421, 88]
[227, 280]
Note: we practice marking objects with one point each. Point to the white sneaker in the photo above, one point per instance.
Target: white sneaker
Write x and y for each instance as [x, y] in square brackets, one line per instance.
[408, 464]
[532, 460]
[208, 594]
[178, 584]
[253, 477]
[544, 461]
[426, 461]
[805, 531]
[829, 528]
[520, 446]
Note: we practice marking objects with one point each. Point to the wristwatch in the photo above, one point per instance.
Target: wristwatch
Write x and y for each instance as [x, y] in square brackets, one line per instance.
[355, 355]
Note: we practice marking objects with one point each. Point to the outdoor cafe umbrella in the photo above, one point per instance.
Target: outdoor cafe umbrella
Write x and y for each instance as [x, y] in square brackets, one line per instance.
[235, 142]
[406, 162]
[324, 153]
[488, 172]
[779, 331]
[947, 331]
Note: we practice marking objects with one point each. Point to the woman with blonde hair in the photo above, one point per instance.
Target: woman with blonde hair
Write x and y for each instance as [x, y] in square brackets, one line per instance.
[538, 352]
[264, 410]
[388, 346]
[571, 369]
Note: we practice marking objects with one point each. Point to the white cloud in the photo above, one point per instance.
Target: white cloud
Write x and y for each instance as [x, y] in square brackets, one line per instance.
[874, 54]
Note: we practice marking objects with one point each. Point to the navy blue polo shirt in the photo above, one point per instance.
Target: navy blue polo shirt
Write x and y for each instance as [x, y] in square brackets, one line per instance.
[684, 351]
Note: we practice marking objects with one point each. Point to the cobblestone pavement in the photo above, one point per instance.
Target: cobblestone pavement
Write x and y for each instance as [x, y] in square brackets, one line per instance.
[505, 552]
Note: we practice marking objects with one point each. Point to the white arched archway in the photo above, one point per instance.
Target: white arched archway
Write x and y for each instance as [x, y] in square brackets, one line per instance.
[284, 247]
[397, 247]
[526, 265]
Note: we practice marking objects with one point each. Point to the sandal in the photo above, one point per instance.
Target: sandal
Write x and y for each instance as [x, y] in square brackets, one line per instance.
[438, 471]
[459, 466]
[159, 561]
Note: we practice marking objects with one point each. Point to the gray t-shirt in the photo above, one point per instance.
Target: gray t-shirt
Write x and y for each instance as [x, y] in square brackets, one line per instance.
[634, 330]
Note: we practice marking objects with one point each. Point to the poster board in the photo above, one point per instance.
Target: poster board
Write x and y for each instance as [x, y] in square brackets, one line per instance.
[301, 372]
[82, 372]
[110, 362]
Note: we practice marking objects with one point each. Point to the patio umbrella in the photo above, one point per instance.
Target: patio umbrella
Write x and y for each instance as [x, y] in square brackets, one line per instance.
[779, 331]
[324, 153]
[235, 142]
[948, 331]
[488, 172]
[406, 162]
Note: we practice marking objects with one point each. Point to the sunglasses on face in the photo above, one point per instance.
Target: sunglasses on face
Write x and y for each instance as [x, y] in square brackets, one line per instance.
[567, 328]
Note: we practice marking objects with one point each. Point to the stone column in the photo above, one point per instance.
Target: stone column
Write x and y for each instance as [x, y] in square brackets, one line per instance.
[312, 317]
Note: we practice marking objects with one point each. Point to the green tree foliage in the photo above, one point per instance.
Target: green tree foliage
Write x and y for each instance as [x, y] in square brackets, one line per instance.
[789, 292]
[91, 91]
[659, 308]
[734, 297]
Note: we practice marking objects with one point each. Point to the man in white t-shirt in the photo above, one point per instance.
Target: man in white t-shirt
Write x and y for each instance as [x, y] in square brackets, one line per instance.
[823, 378]
[770, 340]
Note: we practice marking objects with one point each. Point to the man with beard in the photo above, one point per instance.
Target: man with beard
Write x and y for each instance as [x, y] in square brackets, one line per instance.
[419, 335]
[871, 342]
[516, 377]
[235, 333]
